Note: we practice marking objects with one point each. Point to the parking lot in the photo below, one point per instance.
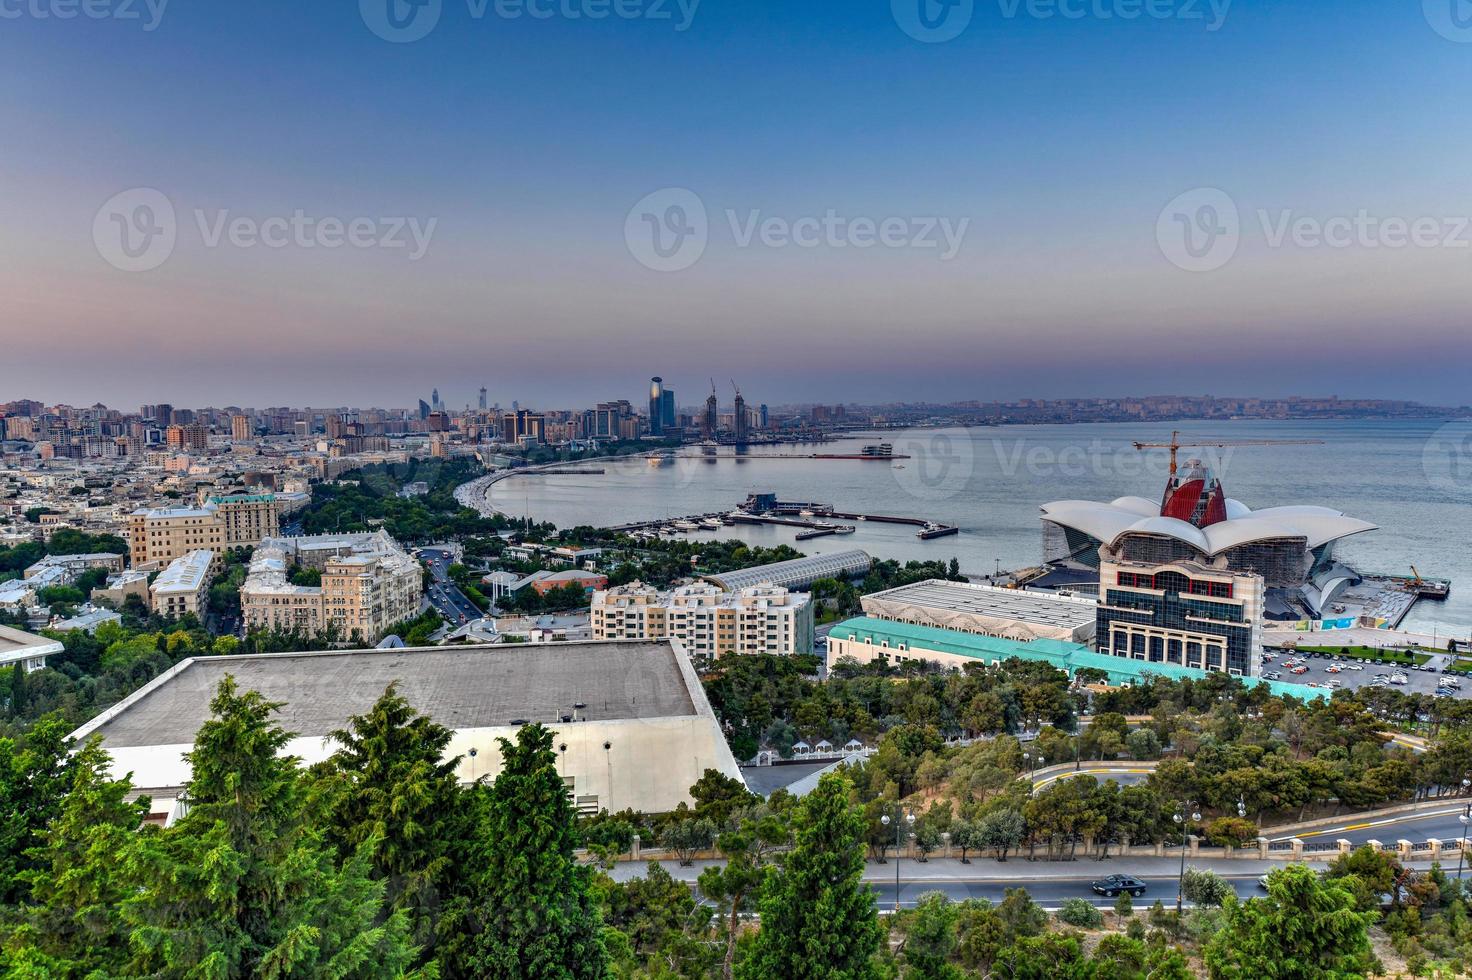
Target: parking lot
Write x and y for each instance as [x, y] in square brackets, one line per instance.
[1418, 681]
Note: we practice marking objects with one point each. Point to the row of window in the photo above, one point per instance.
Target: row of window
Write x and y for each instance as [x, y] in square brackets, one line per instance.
[1177, 583]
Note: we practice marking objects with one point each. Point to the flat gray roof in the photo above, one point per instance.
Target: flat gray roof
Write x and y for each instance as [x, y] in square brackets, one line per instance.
[459, 687]
[1012, 604]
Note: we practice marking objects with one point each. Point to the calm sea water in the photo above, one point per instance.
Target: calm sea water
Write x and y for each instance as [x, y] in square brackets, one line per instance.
[1414, 479]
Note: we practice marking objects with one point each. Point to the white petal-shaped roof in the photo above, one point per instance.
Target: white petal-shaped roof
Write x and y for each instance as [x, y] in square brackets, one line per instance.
[1108, 522]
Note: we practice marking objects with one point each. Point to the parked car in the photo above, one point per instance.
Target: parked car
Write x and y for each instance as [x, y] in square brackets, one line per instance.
[1271, 675]
[1113, 885]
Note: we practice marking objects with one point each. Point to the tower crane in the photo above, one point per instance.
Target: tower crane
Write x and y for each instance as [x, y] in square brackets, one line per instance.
[1176, 444]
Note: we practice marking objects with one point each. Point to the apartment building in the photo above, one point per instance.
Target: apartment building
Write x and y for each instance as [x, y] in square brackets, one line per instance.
[368, 584]
[159, 535]
[707, 620]
[183, 587]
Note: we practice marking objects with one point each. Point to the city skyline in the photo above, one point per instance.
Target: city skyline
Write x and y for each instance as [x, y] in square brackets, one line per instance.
[1033, 163]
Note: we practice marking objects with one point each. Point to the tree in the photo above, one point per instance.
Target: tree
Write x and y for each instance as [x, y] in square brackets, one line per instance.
[930, 939]
[70, 926]
[1205, 888]
[394, 793]
[33, 778]
[1306, 929]
[241, 885]
[717, 796]
[1002, 830]
[734, 885]
[818, 916]
[529, 909]
[1124, 906]
[688, 835]
[966, 834]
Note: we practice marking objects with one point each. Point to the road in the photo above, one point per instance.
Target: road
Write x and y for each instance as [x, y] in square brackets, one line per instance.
[1123, 776]
[444, 594]
[1442, 823]
[1049, 883]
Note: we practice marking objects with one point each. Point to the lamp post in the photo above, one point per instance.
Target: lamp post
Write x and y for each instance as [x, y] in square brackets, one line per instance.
[1465, 818]
[900, 827]
[1184, 814]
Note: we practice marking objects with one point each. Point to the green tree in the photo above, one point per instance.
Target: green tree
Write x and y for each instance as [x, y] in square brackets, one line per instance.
[70, 927]
[1080, 912]
[688, 835]
[530, 912]
[1306, 929]
[734, 885]
[34, 777]
[1206, 888]
[393, 794]
[1124, 906]
[818, 916]
[930, 939]
[242, 885]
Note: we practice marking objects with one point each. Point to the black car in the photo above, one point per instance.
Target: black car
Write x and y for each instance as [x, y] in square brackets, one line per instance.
[1114, 884]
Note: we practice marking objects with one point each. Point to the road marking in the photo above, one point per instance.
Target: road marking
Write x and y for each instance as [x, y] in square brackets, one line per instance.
[1388, 822]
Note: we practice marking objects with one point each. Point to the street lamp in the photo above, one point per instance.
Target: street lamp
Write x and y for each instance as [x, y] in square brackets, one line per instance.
[900, 827]
[1184, 814]
[1466, 818]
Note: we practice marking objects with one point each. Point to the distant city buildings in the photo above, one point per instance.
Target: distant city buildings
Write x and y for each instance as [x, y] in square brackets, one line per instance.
[184, 586]
[762, 619]
[161, 534]
[369, 584]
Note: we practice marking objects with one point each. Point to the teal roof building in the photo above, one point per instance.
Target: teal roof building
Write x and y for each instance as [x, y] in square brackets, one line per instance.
[908, 639]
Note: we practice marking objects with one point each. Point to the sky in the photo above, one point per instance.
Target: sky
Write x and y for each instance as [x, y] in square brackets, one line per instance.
[353, 202]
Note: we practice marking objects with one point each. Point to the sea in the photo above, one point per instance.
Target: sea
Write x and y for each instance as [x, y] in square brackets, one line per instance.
[1412, 478]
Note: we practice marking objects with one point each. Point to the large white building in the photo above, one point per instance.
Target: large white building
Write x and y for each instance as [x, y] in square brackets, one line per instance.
[184, 586]
[707, 620]
[368, 584]
[633, 728]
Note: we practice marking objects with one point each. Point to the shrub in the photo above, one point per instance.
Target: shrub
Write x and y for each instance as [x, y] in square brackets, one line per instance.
[1080, 912]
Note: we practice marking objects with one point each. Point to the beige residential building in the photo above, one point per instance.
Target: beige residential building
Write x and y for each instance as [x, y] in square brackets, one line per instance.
[368, 584]
[240, 428]
[707, 620]
[162, 534]
[184, 587]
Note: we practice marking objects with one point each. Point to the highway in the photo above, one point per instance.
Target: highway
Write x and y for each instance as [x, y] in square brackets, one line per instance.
[444, 594]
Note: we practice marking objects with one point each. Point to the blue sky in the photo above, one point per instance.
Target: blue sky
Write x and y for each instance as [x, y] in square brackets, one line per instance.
[526, 142]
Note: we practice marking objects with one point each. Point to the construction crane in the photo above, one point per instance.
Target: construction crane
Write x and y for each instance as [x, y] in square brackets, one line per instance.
[1175, 444]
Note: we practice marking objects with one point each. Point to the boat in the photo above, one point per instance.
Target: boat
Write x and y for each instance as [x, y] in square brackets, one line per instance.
[713, 523]
[844, 529]
[686, 526]
[881, 450]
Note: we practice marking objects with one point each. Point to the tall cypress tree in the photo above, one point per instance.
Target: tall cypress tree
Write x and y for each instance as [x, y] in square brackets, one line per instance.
[530, 910]
[33, 780]
[818, 916]
[397, 795]
[243, 885]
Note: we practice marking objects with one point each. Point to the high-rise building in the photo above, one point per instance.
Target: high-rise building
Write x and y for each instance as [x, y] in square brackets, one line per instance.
[667, 418]
[435, 399]
[656, 405]
[740, 421]
[761, 619]
[482, 399]
[423, 410]
[187, 437]
[240, 428]
[163, 534]
[765, 418]
[711, 421]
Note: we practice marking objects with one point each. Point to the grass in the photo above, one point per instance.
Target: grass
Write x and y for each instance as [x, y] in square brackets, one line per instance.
[1373, 653]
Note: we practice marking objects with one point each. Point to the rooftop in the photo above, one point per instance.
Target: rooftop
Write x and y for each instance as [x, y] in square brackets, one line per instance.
[983, 600]
[18, 645]
[795, 572]
[186, 573]
[460, 687]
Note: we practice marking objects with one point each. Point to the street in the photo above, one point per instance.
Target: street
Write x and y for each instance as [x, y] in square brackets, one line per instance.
[1441, 823]
[444, 594]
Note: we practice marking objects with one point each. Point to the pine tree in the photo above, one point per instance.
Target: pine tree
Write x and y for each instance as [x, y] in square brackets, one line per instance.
[33, 780]
[397, 795]
[70, 927]
[818, 916]
[529, 908]
[242, 885]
